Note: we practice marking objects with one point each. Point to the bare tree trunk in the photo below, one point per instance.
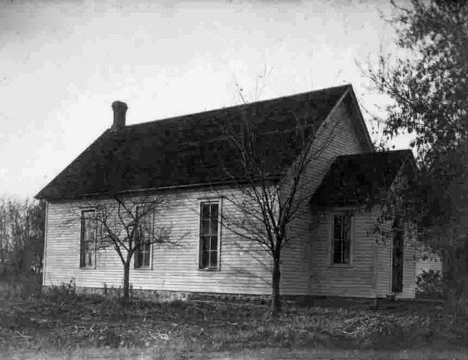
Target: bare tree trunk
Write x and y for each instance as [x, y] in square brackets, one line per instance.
[276, 299]
[126, 282]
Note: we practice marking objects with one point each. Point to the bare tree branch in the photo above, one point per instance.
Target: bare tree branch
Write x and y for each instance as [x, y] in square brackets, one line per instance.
[269, 203]
[127, 225]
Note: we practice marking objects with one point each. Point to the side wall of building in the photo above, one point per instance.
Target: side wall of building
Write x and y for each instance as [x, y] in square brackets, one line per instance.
[356, 279]
[244, 266]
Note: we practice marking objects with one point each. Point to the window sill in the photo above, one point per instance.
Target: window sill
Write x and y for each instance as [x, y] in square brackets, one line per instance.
[143, 268]
[209, 269]
[341, 266]
[88, 268]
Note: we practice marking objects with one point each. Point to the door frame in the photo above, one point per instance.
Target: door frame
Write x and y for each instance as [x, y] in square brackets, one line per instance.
[398, 238]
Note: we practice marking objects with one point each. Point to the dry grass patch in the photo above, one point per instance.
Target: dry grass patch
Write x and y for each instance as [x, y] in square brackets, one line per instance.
[67, 322]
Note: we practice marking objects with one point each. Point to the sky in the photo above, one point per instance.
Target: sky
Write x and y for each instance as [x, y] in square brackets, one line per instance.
[63, 63]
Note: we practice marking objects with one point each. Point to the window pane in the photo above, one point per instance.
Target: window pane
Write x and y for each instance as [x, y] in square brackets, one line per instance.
[139, 259]
[205, 227]
[141, 233]
[89, 245]
[140, 216]
[347, 239]
[214, 212]
[205, 211]
[213, 258]
[214, 226]
[214, 243]
[338, 227]
[146, 257]
[337, 251]
[205, 243]
[346, 227]
[89, 258]
[346, 252]
[204, 259]
[137, 239]
[89, 232]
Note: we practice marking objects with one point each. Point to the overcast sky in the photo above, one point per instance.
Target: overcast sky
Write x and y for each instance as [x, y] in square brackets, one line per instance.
[63, 63]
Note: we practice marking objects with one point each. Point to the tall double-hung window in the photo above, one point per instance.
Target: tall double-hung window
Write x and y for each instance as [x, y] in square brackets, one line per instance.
[209, 235]
[143, 239]
[88, 240]
[341, 242]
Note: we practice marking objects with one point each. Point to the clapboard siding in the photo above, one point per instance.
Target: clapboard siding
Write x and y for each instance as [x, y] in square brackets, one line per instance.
[244, 266]
[337, 136]
[356, 279]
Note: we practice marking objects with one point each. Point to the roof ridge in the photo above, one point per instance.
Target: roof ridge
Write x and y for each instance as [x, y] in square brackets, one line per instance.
[376, 153]
[237, 107]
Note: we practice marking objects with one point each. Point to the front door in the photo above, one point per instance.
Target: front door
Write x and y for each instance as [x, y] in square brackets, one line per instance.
[397, 262]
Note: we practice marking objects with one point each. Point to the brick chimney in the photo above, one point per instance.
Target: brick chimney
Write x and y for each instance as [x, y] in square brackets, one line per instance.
[120, 108]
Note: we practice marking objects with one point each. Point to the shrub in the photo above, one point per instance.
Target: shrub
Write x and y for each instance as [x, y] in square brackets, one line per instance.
[430, 285]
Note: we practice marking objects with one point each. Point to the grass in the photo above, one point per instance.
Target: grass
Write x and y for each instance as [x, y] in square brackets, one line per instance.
[68, 324]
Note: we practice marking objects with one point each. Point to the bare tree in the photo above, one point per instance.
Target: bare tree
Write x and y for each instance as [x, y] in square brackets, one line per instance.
[267, 202]
[129, 225]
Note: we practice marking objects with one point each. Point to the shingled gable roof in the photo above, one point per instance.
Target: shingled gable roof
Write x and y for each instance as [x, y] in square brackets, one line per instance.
[193, 149]
[358, 178]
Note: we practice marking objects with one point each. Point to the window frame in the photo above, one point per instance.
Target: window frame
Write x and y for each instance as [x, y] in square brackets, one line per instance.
[351, 240]
[150, 250]
[202, 202]
[83, 251]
